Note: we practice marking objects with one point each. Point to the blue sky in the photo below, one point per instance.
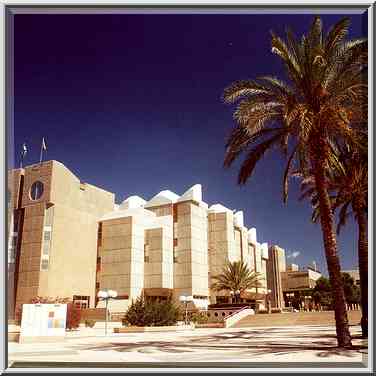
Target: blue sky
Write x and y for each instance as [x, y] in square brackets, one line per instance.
[131, 103]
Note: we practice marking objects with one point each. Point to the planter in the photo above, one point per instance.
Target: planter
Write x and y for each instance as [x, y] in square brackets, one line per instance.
[141, 329]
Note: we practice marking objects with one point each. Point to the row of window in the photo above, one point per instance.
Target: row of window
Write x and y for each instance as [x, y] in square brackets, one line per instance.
[47, 234]
[12, 248]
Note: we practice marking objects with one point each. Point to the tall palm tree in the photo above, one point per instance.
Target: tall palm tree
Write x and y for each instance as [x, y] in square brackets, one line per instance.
[236, 277]
[322, 102]
[348, 187]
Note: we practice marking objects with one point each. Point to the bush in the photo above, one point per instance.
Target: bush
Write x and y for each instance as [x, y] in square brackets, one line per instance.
[199, 318]
[89, 323]
[150, 313]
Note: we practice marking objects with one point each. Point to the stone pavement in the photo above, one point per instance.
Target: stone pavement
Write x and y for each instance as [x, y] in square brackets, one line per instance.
[298, 344]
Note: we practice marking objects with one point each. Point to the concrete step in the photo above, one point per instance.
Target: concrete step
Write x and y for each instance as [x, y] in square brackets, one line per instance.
[296, 319]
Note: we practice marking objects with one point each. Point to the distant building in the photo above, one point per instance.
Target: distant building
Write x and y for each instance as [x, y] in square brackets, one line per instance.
[298, 283]
[292, 268]
[354, 275]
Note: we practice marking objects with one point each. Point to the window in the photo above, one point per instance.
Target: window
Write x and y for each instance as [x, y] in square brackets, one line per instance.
[44, 265]
[97, 285]
[36, 190]
[9, 198]
[47, 240]
[146, 253]
[175, 242]
[46, 248]
[175, 257]
[100, 235]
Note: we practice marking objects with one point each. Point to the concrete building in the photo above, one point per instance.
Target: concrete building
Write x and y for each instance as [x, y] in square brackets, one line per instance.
[298, 283]
[53, 233]
[276, 265]
[69, 239]
[354, 274]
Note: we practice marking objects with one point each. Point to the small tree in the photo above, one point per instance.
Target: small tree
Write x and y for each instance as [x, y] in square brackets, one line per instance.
[151, 313]
[236, 276]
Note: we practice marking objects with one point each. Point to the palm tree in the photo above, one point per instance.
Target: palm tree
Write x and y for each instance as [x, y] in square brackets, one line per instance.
[324, 101]
[236, 277]
[348, 187]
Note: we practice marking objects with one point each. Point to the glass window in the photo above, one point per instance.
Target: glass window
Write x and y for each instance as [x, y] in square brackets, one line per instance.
[44, 264]
[36, 190]
[47, 235]
[46, 248]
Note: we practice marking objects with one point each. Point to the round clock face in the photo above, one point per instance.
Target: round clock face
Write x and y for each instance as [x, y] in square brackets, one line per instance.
[36, 190]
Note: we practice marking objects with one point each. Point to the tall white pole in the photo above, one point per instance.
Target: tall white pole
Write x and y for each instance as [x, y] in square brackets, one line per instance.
[41, 153]
[105, 330]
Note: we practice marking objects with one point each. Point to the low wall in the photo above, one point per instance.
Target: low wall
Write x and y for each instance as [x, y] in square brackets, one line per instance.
[237, 316]
[220, 314]
[96, 314]
[141, 329]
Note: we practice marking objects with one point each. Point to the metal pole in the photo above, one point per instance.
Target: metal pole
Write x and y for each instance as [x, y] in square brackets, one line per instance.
[105, 330]
[41, 154]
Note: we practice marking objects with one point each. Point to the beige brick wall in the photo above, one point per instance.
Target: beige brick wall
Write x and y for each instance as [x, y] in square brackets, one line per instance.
[191, 251]
[73, 251]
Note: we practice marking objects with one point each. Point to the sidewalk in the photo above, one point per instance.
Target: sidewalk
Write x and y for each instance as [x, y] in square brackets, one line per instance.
[248, 345]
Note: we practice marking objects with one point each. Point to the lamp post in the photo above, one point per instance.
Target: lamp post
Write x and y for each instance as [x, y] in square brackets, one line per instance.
[106, 295]
[237, 296]
[268, 301]
[186, 299]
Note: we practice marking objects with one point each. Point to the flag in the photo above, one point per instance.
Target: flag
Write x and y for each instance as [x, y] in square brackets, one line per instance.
[24, 150]
[44, 146]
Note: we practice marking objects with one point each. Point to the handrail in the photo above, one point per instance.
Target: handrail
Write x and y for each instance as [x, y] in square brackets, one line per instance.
[235, 313]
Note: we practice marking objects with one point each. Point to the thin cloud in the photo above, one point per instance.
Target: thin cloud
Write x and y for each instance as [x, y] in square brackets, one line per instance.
[293, 255]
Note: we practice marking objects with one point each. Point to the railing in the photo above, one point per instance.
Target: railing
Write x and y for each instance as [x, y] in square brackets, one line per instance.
[237, 316]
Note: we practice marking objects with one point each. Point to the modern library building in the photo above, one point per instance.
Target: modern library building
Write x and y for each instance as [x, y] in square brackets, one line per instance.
[69, 239]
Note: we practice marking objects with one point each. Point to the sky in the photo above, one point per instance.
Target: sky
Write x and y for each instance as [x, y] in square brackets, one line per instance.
[132, 104]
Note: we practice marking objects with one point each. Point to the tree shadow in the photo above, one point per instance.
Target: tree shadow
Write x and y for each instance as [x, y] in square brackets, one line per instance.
[218, 342]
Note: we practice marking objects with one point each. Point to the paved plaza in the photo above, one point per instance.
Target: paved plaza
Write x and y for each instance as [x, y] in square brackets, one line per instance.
[218, 346]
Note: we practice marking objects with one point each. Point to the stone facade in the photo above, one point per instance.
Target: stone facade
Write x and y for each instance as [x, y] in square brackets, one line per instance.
[70, 239]
[275, 266]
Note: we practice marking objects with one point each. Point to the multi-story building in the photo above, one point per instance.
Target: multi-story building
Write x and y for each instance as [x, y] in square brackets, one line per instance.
[298, 283]
[69, 239]
[354, 274]
[53, 233]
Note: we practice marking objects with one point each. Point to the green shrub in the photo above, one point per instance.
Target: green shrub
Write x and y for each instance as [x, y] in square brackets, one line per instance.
[151, 313]
[89, 323]
[199, 318]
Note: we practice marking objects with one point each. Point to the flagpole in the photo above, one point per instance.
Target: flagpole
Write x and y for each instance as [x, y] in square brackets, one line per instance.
[41, 153]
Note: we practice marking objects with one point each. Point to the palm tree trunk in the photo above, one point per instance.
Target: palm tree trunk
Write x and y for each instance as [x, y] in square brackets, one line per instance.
[330, 244]
[363, 269]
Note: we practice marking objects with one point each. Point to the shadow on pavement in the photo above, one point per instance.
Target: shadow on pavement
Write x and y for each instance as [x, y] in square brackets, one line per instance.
[242, 343]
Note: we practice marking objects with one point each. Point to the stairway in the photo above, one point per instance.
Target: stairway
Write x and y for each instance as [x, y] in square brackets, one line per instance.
[295, 319]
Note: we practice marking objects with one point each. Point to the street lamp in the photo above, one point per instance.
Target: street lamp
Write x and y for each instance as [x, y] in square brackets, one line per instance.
[186, 299]
[269, 302]
[106, 295]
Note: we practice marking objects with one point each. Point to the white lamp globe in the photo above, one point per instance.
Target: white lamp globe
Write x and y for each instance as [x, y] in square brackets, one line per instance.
[183, 298]
[102, 294]
[190, 298]
[112, 294]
